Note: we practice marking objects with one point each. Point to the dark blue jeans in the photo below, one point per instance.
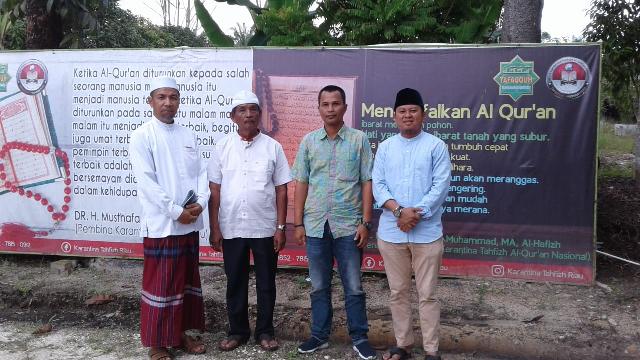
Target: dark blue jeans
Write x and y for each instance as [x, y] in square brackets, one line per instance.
[321, 252]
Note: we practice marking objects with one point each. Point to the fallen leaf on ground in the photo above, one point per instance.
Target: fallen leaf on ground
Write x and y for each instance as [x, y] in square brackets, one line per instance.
[99, 300]
[43, 329]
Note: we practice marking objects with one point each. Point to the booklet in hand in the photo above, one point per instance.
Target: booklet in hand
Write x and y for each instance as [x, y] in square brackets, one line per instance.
[191, 198]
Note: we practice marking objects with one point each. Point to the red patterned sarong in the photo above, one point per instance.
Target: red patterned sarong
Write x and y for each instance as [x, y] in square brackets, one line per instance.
[171, 294]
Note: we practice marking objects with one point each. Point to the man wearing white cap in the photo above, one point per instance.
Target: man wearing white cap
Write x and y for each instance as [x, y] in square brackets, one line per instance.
[248, 175]
[173, 191]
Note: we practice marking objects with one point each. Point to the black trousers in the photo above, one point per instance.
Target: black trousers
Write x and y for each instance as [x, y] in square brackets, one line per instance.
[236, 266]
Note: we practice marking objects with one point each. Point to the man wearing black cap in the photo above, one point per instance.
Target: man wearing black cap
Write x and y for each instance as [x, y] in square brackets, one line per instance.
[411, 176]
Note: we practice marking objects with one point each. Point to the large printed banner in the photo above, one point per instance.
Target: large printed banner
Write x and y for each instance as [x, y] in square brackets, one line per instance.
[520, 123]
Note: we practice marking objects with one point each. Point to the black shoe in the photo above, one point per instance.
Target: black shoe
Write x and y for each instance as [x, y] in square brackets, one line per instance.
[365, 351]
[312, 345]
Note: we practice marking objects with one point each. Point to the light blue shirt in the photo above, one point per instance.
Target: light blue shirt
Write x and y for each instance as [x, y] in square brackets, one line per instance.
[416, 173]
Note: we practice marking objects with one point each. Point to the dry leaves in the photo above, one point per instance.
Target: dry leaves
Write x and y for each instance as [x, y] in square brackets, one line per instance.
[46, 328]
[99, 300]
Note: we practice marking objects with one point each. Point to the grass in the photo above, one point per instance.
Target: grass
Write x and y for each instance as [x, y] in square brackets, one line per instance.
[482, 292]
[301, 281]
[610, 144]
[616, 171]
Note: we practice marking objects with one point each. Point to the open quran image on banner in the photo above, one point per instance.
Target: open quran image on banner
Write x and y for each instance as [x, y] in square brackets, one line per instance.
[32, 166]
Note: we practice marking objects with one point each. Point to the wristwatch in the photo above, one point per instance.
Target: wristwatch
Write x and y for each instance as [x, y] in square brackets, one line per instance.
[282, 227]
[366, 224]
[397, 211]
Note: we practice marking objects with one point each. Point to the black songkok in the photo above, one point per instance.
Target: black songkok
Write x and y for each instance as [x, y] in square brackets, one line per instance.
[408, 96]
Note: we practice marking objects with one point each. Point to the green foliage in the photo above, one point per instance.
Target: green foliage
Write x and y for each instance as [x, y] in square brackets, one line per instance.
[14, 36]
[76, 18]
[470, 21]
[291, 24]
[242, 35]
[365, 22]
[181, 36]
[249, 5]
[140, 33]
[372, 22]
[617, 24]
[211, 28]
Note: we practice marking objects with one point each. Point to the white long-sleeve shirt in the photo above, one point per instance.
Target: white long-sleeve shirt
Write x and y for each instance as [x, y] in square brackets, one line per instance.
[167, 164]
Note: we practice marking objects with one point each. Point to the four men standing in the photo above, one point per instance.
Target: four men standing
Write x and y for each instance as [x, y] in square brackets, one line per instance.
[247, 178]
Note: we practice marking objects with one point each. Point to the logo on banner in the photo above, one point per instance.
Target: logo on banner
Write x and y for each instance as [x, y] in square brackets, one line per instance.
[368, 262]
[32, 77]
[497, 270]
[65, 247]
[516, 78]
[4, 77]
[568, 77]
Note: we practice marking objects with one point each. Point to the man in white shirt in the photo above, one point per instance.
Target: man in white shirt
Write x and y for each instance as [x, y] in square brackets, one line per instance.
[248, 176]
[173, 191]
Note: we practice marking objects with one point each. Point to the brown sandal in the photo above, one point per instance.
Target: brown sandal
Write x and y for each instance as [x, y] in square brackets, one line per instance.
[193, 345]
[268, 343]
[159, 354]
[232, 342]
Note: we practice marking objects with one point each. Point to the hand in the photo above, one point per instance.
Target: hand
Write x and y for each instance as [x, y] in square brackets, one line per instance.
[215, 239]
[195, 209]
[362, 236]
[279, 240]
[186, 217]
[300, 235]
[409, 218]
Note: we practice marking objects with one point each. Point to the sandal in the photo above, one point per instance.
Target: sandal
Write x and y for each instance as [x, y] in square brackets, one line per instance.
[159, 354]
[231, 342]
[192, 345]
[268, 343]
[396, 351]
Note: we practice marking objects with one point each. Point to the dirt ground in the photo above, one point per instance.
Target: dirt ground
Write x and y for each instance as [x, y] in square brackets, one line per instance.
[481, 319]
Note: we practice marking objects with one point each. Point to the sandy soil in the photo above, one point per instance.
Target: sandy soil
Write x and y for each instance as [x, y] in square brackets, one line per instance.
[481, 319]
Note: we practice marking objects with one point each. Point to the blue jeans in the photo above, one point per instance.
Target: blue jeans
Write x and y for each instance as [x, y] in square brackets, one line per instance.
[321, 252]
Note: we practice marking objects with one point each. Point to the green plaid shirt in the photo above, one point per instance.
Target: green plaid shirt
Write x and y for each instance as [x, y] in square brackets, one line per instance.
[334, 170]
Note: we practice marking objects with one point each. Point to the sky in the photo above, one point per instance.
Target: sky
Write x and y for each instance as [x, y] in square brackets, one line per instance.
[560, 18]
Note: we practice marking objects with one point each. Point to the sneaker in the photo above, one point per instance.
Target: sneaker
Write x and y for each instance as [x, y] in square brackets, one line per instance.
[365, 351]
[312, 345]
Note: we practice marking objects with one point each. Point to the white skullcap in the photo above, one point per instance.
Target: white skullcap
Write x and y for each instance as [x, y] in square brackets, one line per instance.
[163, 82]
[244, 97]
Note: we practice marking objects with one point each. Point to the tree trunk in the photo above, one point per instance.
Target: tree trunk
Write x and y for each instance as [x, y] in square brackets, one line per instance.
[521, 21]
[637, 145]
[44, 30]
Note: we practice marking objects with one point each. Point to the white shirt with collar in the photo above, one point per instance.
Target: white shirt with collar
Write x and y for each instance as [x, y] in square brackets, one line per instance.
[248, 172]
[167, 164]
